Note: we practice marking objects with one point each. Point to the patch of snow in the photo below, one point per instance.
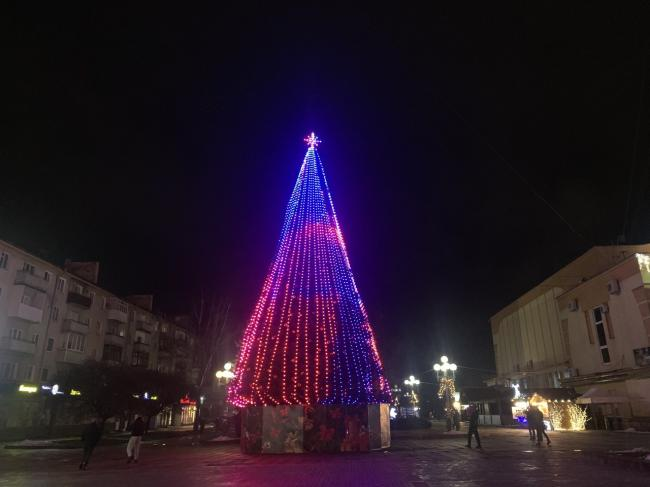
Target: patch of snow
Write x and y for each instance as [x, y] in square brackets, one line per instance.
[633, 450]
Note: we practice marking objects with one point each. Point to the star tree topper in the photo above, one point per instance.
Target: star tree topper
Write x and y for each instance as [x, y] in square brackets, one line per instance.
[312, 140]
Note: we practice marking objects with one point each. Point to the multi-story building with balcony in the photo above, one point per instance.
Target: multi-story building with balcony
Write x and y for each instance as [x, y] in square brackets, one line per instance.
[56, 317]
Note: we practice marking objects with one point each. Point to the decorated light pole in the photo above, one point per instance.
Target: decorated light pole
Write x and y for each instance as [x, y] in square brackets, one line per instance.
[226, 374]
[446, 373]
[412, 382]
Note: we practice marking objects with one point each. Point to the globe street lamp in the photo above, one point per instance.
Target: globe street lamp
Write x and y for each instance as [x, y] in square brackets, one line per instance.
[446, 373]
[226, 373]
[412, 382]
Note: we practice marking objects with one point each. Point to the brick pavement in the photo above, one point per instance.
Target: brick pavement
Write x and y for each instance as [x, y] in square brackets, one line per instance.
[509, 458]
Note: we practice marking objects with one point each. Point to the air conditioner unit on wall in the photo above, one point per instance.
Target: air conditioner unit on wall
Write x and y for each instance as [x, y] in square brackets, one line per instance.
[573, 305]
[613, 287]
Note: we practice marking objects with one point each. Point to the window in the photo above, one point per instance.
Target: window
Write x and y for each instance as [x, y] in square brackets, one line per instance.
[44, 374]
[140, 359]
[27, 267]
[46, 276]
[115, 329]
[141, 337]
[4, 260]
[76, 342]
[60, 284]
[55, 314]
[92, 297]
[29, 372]
[26, 299]
[50, 344]
[0, 291]
[8, 370]
[16, 334]
[35, 338]
[112, 353]
[599, 323]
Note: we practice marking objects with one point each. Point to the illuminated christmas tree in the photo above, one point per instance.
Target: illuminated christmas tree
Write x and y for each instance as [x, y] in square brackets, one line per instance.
[309, 340]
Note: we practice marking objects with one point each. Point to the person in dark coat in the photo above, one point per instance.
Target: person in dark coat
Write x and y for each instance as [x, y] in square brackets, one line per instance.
[133, 446]
[90, 437]
[532, 427]
[472, 414]
[540, 426]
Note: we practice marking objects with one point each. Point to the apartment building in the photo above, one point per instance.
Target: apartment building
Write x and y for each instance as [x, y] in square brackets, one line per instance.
[586, 327]
[52, 318]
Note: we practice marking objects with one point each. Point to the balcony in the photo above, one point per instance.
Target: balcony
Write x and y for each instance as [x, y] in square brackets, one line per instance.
[114, 339]
[181, 347]
[144, 326]
[70, 357]
[165, 346]
[24, 278]
[75, 326]
[79, 299]
[140, 347]
[117, 310]
[25, 312]
[18, 345]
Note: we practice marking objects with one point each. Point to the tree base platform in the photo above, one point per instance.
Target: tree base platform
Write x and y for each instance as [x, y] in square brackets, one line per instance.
[320, 428]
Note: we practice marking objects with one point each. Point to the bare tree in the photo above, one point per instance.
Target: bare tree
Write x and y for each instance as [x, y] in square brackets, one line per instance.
[209, 317]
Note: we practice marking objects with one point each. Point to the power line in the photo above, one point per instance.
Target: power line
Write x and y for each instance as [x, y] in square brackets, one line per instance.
[503, 159]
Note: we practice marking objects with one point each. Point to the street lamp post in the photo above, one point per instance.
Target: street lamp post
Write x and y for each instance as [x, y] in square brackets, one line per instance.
[225, 374]
[412, 382]
[446, 373]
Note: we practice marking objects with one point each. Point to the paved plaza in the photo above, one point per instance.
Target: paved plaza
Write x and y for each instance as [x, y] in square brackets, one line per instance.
[508, 458]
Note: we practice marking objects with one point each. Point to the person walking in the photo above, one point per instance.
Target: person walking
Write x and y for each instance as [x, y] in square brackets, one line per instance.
[536, 420]
[472, 413]
[541, 429]
[133, 446]
[90, 437]
[532, 427]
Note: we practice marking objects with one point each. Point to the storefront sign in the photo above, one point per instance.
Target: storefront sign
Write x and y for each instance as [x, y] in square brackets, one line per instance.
[187, 401]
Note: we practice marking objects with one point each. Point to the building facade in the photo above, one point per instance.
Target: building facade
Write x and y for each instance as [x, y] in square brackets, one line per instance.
[586, 327]
[52, 318]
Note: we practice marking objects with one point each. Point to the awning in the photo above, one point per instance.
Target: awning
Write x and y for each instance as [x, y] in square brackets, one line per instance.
[596, 395]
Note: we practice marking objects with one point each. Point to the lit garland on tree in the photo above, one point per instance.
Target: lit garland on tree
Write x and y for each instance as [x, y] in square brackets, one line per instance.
[309, 339]
[447, 388]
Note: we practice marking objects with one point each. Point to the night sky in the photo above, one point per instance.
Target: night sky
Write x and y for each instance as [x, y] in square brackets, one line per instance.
[471, 151]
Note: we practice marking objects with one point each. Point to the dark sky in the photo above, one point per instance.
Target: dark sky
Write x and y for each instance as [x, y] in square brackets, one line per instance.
[165, 144]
